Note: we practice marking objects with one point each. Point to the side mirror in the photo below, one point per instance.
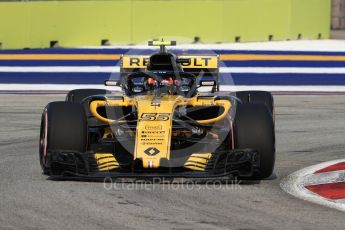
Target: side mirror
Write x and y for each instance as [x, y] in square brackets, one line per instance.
[207, 83]
[112, 83]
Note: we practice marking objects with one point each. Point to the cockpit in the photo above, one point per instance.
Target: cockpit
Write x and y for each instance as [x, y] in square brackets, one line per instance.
[159, 83]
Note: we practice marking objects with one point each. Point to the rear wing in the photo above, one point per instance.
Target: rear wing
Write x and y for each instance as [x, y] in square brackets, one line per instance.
[204, 66]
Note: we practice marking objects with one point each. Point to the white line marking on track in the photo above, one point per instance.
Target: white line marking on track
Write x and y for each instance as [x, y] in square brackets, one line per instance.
[295, 182]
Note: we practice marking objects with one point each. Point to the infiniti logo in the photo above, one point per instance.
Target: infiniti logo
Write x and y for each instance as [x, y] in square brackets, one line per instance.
[153, 127]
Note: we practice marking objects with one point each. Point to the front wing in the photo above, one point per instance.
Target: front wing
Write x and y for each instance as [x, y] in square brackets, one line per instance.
[83, 166]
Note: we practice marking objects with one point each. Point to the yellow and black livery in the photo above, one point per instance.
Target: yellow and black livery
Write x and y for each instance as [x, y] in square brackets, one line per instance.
[160, 124]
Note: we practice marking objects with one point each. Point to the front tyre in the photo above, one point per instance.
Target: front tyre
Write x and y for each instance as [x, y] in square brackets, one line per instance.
[256, 97]
[254, 129]
[63, 127]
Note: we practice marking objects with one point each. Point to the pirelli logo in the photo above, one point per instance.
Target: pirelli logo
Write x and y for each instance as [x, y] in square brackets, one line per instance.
[198, 62]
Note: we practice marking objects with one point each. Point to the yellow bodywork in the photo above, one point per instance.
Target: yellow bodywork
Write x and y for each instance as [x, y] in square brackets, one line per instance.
[199, 62]
[198, 161]
[154, 125]
[106, 161]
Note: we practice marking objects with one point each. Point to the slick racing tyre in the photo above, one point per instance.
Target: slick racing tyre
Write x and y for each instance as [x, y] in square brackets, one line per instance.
[256, 97]
[63, 127]
[78, 95]
[254, 129]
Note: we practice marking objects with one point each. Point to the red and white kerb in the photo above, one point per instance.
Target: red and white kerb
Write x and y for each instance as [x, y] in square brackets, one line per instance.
[323, 184]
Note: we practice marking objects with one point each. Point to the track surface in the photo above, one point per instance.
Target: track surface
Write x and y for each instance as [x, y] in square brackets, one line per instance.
[310, 129]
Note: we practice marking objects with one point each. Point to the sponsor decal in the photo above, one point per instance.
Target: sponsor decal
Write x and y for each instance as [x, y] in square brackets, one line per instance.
[204, 61]
[208, 83]
[152, 151]
[154, 117]
[138, 61]
[150, 164]
[155, 104]
[153, 127]
[198, 62]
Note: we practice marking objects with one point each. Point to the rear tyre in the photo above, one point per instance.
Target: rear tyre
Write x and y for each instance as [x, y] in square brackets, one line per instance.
[78, 95]
[63, 127]
[256, 97]
[254, 129]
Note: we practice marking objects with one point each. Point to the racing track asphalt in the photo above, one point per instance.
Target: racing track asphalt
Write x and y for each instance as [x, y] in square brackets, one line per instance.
[310, 129]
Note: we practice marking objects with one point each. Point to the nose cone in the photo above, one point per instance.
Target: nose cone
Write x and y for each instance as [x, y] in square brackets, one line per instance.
[154, 129]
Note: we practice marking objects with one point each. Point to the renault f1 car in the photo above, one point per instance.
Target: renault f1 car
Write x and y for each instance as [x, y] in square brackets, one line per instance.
[159, 124]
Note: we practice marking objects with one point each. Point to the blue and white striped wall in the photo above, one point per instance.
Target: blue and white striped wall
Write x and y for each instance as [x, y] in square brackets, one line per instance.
[274, 70]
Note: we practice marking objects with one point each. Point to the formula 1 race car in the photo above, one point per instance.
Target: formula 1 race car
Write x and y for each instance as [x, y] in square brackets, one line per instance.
[159, 124]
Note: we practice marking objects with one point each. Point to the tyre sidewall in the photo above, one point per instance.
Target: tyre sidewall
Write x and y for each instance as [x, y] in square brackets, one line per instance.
[64, 127]
[254, 129]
